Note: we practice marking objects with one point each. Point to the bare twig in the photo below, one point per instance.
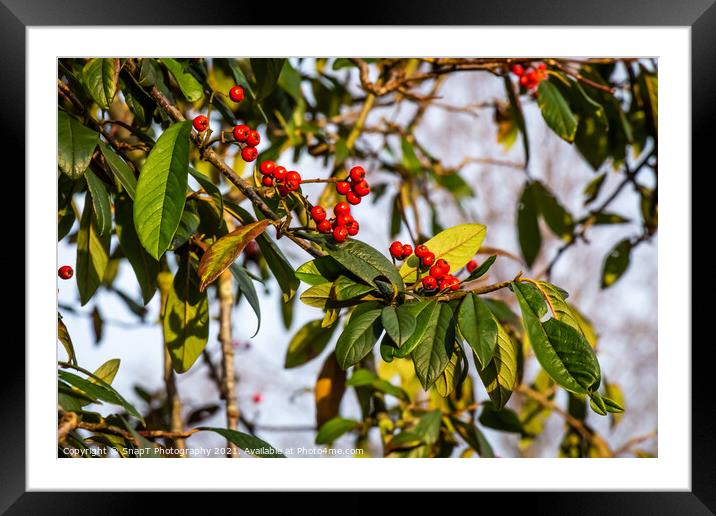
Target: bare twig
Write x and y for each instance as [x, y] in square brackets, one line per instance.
[226, 303]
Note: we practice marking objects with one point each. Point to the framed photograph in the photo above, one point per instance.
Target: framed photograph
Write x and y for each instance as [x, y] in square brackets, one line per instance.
[432, 243]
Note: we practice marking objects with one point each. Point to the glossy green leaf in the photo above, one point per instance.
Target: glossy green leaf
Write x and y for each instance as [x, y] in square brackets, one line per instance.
[527, 224]
[334, 428]
[534, 298]
[186, 317]
[473, 437]
[503, 419]
[247, 289]
[456, 245]
[92, 254]
[100, 203]
[367, 263]
[399, 323]
[145, 267]
[556, 111]
[360, 335]
[560, 308]
[420, 311]
[345, 289]
[161, 189]
[482, 269]
[222, 253]
[432, 352]
[446, 383]
[308, 342]
[500, 374]
[98, 389]
[320, 270]
[120, 169]
[250, 444]
[558, 219]
[518, 116]
[100, 76]
[63, 335]
[209, 187]
[318, 295]
[75, 145]
[616, 263]
[478, 327]
[188, 225]
[561, 350]
[266, 72]
[281, 269]
[189, 86]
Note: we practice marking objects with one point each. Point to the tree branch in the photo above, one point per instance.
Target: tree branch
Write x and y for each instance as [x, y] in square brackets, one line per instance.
[228, 384]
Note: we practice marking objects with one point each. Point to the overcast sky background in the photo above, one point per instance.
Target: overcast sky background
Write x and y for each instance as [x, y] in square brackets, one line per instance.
[625, 316]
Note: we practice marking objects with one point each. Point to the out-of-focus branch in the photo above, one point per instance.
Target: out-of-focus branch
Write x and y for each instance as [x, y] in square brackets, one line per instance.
[228, 383]
[634, 441]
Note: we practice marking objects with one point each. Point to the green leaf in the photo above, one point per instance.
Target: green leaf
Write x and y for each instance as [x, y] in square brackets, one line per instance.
[366, 378]
[189, 86]
[527, 224]
[428, 427]
[345, 289]
[478, 327]
[98, 389]
[597, 404]
[360, 335]
[420, 311]
[64, 337]
[591, 191]
[558, 219]
[561, 350]
[100, 76]
[75, 145]
[456, 245]
[145, 267]
[320, 270]
[188, 225]
[100, 203]
[186, 318]
[107, 371]
[482, 269]
[410, 159]
[518, 116]
[318, 295]
[432, 352]
[503, 419]
[120, 169]
[500, 374]
[334, 428]
[161, 189]
[250, 444]
[559, 306]
[210, 188]
[266, 71]
[92, 254]
[247, 289]
[308, 342]
[603, 218]
[447, 382]
[616, 263]
[473, 437]
[222, 253]
[534, 298]
[556, 111]
[398, 322]
[366, 263]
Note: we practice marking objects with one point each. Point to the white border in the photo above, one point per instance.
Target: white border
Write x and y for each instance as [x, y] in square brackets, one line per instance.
[671, 470]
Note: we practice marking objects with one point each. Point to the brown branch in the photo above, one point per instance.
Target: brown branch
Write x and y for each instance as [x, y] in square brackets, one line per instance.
[627, 446]
[228, 384]
[68, 422]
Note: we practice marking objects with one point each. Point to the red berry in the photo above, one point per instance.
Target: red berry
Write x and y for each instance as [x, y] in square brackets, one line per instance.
[444, 266]
[293, 180]
[241, 132]
[357, 174]
[352, 198]
[340, 233]
[455, 285]
[279, 173]
[437, 272]
[353, 228]
[427, 259]
[429, 283]
[421, 251]
[541, 67]
[324, 226]
[471, 266]
[253, 138]
[267, 167]
[361, 188]
[396, 250]
[256, 398]
[407, 250]
[524, 81]
[267, 181]
[65, 272]
[343, 220]
[318, 214]
[249, 153]
[343, 187]
[201, 123]
[283, 191]
[341, 208]
[236, 93]
[518, 70]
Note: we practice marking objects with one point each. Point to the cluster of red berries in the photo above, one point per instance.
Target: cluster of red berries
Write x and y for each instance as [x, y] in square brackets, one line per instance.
[401, 251]
[438, 277]
[530, 77]
[342, 225]
[242, 133]
[65, 272]
[285, 181]
[356, 186]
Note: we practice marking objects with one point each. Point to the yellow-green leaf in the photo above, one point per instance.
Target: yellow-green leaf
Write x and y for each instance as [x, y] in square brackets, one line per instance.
[500, 374]
[107, 371]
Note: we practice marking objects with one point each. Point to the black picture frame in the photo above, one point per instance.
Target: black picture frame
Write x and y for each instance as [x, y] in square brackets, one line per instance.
[699, 15]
